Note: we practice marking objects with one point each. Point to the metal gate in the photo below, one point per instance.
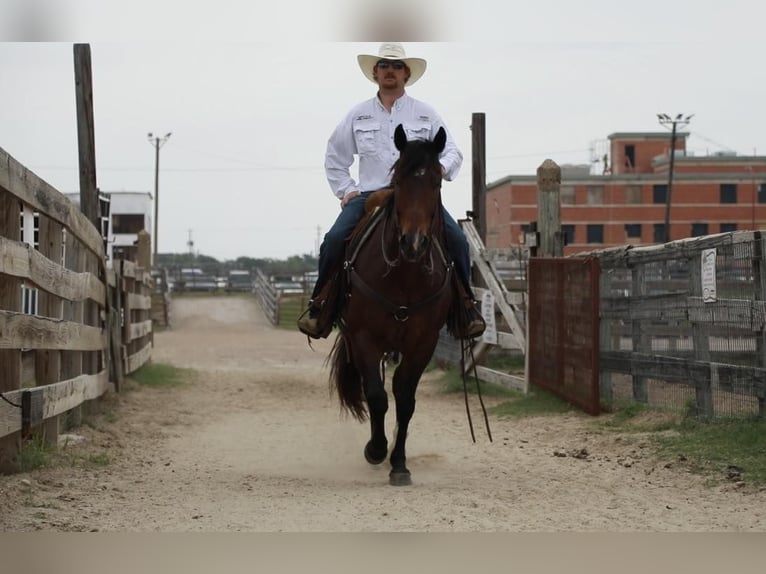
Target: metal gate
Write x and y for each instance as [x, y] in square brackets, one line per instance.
[563, 321]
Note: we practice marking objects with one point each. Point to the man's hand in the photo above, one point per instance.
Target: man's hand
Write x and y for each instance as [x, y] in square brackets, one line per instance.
[348, 197]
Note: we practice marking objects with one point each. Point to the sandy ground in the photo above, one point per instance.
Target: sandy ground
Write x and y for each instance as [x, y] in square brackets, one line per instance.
[254, 441]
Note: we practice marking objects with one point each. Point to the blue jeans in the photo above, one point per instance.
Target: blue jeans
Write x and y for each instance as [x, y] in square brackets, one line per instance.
[331, 250]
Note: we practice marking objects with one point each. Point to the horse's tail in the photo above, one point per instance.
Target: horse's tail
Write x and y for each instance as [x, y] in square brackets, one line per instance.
[346, 380]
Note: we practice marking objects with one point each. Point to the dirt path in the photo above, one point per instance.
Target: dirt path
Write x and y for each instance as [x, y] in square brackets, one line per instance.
[255, 442]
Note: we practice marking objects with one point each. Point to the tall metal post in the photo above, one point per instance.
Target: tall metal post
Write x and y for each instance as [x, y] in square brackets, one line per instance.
[157, 142]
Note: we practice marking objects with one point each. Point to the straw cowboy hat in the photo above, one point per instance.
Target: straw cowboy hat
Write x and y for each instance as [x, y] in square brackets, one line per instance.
[392, 51]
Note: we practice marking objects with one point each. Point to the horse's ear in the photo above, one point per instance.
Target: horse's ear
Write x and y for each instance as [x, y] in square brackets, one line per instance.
[400, 138]
[440, 140]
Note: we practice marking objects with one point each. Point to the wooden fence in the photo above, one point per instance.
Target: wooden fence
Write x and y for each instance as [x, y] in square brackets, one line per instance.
[683, 324]
[69, 327]
[503, 310]
[268, 297]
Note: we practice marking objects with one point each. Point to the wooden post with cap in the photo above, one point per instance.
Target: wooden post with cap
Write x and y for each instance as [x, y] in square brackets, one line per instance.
[549, 209]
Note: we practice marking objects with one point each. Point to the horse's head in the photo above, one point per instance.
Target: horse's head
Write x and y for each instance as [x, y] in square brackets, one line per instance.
[417, 177]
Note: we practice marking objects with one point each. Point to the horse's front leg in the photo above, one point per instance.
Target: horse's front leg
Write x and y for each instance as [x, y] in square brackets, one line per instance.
[406, 378]
[376, 449]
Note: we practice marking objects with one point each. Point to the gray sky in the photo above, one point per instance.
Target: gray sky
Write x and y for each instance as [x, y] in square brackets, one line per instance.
[253, 99]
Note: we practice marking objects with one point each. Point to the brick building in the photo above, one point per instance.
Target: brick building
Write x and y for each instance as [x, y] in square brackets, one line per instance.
[626, 202]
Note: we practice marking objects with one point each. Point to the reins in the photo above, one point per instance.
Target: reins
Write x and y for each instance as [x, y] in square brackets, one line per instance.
[465, 348]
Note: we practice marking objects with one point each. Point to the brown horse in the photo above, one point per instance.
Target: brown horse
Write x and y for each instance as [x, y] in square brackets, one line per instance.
[399, 294]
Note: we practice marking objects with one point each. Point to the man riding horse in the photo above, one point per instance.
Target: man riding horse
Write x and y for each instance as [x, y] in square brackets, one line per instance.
[368, 131]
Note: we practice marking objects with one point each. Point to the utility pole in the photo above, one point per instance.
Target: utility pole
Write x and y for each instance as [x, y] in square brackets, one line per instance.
[479, 174]
[666, 120]
[157, 142]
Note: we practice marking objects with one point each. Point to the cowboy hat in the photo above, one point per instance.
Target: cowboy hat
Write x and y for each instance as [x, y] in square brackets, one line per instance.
[392, 51]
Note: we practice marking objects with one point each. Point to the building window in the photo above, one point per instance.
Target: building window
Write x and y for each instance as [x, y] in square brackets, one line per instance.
[127, 222]
[633, 230]
[595, 233]
[595, 195]
[728, 193]
[569, 234]
[660, 193]
[630, 157]
[762, 193]
[567, 194]
[632, 194]
[659, 233]
[728, 227]
[699, 229]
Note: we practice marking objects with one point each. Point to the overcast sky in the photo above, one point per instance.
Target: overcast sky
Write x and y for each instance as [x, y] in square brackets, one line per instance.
[251, 95]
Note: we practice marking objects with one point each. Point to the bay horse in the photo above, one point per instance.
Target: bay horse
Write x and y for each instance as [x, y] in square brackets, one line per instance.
[399, 292]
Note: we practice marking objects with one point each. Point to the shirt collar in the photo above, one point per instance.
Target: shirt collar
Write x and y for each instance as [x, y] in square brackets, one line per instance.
[397, 102]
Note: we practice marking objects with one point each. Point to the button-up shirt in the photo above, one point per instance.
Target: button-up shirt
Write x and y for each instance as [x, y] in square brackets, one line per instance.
[368, 131]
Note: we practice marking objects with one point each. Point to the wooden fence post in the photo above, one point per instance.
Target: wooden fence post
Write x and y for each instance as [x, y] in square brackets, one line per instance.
[144, 250]
[549, 209]
[10, 300]
[89, 202]
[479, 203]
[642, 343]
[759, 276]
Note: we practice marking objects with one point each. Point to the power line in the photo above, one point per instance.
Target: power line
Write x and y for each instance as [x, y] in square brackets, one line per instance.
[186, 169]
[700, 136]
[538, 154]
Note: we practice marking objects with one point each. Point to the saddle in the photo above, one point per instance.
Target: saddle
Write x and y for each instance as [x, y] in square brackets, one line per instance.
[332, 297]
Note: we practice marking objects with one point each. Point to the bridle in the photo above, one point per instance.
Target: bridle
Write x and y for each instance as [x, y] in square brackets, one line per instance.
[401, 313]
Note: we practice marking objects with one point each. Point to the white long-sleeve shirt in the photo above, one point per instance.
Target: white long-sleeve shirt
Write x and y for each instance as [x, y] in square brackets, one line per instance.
[368, 131]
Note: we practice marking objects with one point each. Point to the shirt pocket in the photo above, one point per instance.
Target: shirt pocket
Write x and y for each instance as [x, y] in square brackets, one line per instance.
[366, 137]
[417, 130]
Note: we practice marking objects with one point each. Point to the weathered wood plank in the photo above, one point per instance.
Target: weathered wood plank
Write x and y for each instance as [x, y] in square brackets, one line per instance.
[20, 331]
[660, 367]
[741, 379]
[742, 313]
[40, 195]
[625, 256]
[10, 416]
[66, 395]
[52, 400]
[20, 260]
[139, 302]
[497, 288]
[514, 382]
[135, 361]
[138, 330]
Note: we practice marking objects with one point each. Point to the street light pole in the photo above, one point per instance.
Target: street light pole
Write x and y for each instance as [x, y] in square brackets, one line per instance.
[157, 142]
[665, 119]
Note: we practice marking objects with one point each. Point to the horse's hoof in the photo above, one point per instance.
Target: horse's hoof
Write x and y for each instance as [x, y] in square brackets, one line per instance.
[374, 457]
[399, 478]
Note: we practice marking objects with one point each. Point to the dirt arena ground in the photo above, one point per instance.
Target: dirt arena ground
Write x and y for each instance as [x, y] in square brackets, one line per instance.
[254, 441]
